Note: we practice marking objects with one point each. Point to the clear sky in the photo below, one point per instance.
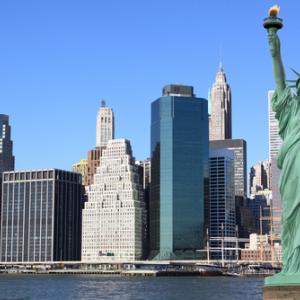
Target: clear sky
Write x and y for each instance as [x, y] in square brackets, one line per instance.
[58, 58]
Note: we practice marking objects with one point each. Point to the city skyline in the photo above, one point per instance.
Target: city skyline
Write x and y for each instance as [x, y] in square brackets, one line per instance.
[45, 98]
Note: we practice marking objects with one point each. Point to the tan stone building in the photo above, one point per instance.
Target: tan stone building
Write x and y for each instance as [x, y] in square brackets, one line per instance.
[93, 162]
[81, 168]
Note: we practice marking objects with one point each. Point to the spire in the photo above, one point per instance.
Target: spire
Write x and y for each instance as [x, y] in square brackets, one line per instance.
[221, 67]
[221, 77]
[103, 103]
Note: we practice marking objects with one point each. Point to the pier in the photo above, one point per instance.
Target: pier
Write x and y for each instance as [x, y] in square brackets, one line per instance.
[143, 268]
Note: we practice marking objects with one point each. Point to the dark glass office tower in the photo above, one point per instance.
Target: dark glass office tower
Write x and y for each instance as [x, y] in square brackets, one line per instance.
[41, 214]
[7, 160]
[179, 159]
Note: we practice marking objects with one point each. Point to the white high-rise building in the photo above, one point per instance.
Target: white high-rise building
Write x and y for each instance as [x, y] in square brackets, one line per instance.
[275, 143]
[105, 128]
[220, 108]
[275, 140]
[114, 213]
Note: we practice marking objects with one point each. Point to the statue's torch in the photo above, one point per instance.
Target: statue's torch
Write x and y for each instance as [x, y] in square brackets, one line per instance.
[273, 21]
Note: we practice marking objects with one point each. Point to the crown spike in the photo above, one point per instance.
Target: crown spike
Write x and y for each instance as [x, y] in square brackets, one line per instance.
[298, 74]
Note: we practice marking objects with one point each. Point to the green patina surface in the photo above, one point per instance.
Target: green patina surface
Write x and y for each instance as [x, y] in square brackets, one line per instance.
[286, 105]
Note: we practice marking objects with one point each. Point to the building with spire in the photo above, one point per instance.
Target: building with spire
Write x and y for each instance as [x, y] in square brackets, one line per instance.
[7, 160]
[220, 106]
[105, 128]
[105, 131]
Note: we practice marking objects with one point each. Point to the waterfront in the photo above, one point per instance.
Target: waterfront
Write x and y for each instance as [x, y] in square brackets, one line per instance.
[88, 287]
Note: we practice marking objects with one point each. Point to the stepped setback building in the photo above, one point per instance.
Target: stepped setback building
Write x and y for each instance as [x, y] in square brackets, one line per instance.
[260, 177]
[114, 215]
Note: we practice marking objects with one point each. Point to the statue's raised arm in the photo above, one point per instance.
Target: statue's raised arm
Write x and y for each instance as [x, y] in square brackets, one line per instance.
[278, 69]
[272, 24]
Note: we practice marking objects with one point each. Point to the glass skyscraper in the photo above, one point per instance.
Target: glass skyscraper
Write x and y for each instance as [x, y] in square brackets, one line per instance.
[179, 158]
[222, 202]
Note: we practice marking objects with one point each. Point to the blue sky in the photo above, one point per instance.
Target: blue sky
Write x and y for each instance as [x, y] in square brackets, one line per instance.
[59, 58]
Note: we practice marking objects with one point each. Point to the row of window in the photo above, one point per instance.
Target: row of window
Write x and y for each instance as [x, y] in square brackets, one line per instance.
[36, 175]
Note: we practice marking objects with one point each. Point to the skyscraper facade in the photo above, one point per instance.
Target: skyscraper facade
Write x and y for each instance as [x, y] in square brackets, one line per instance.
[41, 216]
[81, 168]
[239, 147]
[114, 213]
[220, 118]
[7, 160]
[275, 143]
[260, 208]
[105, 128]
[93, 162]
[144, 167]
[179, 166]
[260, 177]
[243, 213]
[222, 201]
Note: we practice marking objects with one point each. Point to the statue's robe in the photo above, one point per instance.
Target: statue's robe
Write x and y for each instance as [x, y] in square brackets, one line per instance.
[287, 109]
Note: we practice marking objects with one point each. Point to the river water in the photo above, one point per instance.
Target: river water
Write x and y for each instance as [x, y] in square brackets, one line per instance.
[88, 287]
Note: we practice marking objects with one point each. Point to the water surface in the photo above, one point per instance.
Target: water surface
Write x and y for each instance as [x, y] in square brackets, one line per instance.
[88, 287]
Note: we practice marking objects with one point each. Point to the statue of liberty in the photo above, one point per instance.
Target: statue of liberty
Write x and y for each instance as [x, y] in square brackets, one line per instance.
[286, 105]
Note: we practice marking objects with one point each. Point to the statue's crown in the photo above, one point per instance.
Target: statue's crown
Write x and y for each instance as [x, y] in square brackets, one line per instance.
[296, 83]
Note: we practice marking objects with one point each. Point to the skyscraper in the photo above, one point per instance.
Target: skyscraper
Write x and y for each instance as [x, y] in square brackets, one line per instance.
[220, 118]
[275, 143]
[93, 161]
[114, 213]
[179, 166]
[41, 216]
[81, 168]
[222, 201]
[7, 160]
[239, 147]
[145, 180]
[105, 129]
[243, 214]
[260, 208]
[260, 177]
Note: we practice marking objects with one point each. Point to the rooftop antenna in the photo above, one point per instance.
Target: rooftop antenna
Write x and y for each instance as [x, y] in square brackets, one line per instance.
[220, 57]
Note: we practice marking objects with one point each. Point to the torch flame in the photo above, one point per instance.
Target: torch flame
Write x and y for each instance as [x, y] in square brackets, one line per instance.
[274, 11]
